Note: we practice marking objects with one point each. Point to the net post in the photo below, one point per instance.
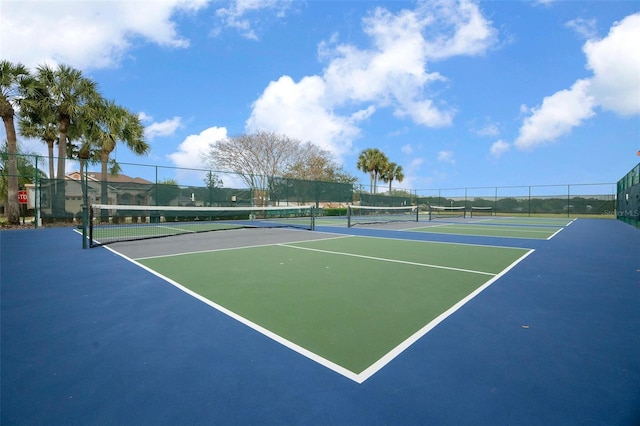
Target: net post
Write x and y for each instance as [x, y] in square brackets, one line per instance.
[348, 216]
[417, 213]
[85, 200]
[84, 226]
[90, 226]
[36, 195]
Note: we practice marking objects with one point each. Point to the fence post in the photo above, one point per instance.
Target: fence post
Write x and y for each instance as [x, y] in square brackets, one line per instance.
[85, 199]
[36, 201]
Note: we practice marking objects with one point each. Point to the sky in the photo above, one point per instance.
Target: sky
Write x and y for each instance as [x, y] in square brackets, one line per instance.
[459, 93]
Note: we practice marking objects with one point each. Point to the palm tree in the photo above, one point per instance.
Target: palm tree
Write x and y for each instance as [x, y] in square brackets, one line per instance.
[15, 83]
[69, 96]
[115, 124]
[372, 161]
[392, 172]
[43, 126]
[27, 170]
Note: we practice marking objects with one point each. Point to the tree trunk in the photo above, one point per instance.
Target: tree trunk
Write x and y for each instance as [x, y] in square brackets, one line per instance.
[371, 189]
[104, 185]
[59, 207]
[375, 182]
[13, 208]
[51, 167]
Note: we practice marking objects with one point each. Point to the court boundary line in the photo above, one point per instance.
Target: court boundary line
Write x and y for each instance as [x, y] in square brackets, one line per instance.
[479, 235]
[555, 233]
[383, 259]
[395, 352]
[531, 229]
[264, 331]
[446, 242]
[235, 248]
[356, 377]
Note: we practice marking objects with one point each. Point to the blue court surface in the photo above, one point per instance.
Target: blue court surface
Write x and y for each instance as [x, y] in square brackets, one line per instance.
[91, 338]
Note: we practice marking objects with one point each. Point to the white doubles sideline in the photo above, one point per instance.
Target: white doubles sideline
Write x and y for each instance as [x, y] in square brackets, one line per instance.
[376, 366]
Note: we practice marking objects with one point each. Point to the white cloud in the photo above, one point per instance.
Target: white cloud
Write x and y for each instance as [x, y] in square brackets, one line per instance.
[544, 2]
[615, 86]
[488, 130]
[238, 15]
[446, 157]
[615, 63]
[144, 117]
[412, 174]
[585, 28]
[498, 148]
[391, 73]
[558, 114]
[406, 149]
[163, 128]
[461, 29]
[300, 111]
[192, 150]
[86, 34]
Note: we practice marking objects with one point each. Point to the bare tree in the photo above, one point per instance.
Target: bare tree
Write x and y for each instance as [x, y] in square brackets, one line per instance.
[315, 163]
[255, 158]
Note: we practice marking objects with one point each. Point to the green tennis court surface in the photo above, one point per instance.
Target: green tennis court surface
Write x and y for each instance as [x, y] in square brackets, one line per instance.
[498, 226]
[478, 229]
[526, 220]
[350, 303]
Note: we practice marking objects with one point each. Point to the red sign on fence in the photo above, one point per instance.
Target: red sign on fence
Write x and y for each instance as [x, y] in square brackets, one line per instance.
[22, 197]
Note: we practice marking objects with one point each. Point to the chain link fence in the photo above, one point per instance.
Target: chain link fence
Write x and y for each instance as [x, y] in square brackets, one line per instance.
[628, 205]
[59, 201]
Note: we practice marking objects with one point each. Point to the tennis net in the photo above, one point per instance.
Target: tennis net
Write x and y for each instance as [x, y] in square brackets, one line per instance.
[481, 211]
[436, 212]
[370, 214]
[113, 223]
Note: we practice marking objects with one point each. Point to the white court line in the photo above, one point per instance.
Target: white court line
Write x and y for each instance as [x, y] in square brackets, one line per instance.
[383, 259]
[177, 229]
[186, 253]
[378, 365]
[505, 228]
[554, 234]
[457, 231]
[287, 343]
[356, 377]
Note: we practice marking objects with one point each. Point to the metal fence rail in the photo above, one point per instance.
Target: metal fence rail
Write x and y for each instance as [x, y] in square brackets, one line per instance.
[57, 201]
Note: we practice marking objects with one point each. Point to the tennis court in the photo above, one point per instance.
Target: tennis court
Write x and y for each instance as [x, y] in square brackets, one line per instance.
[513, 227]
[360, 325]
[350, 303]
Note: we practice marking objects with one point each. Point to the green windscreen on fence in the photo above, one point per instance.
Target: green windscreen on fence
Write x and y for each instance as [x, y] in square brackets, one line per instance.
[289, 190]
[628, 203]
[62, 200]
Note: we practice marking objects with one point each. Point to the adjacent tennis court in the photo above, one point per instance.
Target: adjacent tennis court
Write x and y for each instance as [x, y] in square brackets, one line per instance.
[350, 303]
[492, 229]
